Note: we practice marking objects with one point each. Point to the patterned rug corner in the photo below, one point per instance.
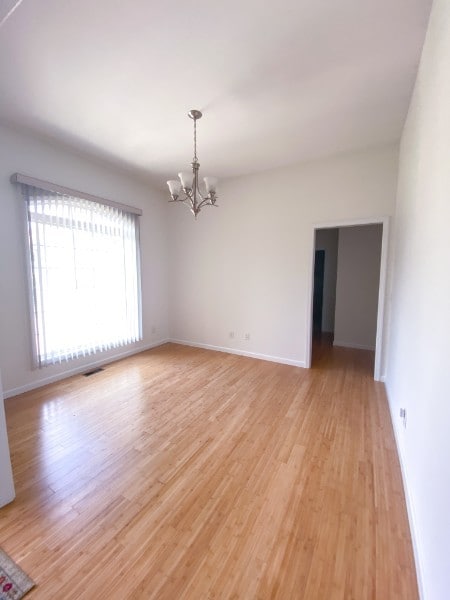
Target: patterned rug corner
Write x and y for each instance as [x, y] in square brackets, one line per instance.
[14, 583]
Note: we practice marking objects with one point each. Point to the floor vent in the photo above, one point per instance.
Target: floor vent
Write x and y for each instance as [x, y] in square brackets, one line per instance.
[89, 373]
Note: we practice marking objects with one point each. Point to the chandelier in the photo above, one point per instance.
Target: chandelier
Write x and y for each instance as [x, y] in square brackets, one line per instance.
[192, 196]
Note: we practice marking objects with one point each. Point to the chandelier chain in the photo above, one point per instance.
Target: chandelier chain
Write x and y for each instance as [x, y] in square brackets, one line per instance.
[195, 140]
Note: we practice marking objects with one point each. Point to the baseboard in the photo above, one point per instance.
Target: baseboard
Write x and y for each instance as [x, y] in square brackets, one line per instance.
[97, 363]
[418, 559]
[277, 359]
[80, 369]
[352, 345]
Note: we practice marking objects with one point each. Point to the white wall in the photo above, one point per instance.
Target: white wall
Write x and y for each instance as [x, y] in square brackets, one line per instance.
[327, 240]
[246, 266]
[358, 278]
[418, 376]
[22, 153]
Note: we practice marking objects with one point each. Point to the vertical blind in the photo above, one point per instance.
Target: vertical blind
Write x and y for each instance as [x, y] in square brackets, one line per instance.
[84, 275]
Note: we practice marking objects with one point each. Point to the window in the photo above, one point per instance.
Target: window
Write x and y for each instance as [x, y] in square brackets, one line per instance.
[84, 272]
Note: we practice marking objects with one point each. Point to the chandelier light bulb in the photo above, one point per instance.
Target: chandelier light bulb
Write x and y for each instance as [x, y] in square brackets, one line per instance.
[210, 183]
[186, 179]
[174, 187]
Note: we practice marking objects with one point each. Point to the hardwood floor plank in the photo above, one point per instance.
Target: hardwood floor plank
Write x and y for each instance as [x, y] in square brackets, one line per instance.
[182, 473]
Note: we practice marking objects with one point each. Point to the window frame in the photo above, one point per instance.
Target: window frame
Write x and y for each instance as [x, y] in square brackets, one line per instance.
[40, 360]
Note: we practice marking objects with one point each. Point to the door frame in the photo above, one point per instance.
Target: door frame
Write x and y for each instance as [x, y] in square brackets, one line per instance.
[384, 221]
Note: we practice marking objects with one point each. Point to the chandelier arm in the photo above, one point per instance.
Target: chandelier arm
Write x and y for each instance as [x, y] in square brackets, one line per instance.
[186, 200]
[188, 203]
[204, 202]
[180, 198]
[199, 193]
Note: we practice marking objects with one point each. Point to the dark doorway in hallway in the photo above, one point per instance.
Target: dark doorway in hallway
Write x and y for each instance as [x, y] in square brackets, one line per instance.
[319, 269]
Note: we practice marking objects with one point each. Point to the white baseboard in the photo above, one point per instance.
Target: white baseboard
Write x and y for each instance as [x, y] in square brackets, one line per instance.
[277, 359]
[104, 361]
[352, 345]
[80, 369]
[418, 559]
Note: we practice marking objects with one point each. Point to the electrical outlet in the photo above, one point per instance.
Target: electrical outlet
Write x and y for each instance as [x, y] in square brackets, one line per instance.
[403, 416]
[231, 335]
[153, 330]
[247, 336]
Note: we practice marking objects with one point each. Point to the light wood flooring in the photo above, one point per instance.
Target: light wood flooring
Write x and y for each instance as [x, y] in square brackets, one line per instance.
[182, 473]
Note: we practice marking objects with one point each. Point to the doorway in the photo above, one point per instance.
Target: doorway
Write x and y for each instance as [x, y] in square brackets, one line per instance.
[319, 267]
[348, 286]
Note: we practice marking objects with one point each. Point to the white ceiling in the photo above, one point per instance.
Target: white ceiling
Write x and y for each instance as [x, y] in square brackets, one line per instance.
[278, 81]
